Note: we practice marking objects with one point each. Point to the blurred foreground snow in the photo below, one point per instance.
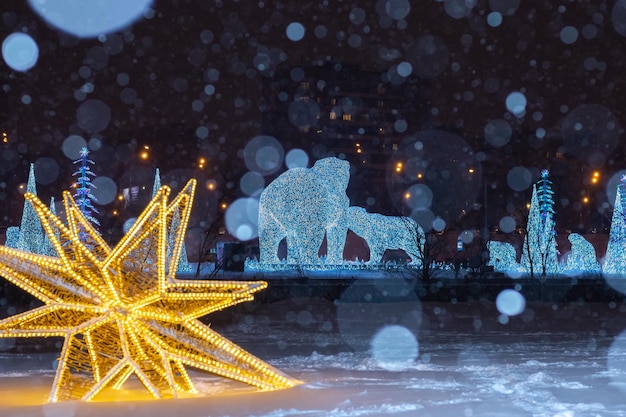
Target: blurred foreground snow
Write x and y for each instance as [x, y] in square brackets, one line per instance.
[382, 359]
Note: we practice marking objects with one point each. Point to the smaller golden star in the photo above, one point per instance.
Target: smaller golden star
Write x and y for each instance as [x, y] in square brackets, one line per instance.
[122, 312]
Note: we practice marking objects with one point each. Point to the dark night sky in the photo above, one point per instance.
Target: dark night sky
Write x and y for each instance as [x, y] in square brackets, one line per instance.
[201, 64]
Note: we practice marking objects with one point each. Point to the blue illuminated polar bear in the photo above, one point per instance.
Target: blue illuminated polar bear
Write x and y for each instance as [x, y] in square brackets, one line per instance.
[502, 256]
[301, 205]
[387, 232]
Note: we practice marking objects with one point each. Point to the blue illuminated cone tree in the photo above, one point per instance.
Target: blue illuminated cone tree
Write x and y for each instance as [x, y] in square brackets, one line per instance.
[183, 263]
[615, 260]
[539, 254]
[83, 196]
[31, 232]
[46, 245]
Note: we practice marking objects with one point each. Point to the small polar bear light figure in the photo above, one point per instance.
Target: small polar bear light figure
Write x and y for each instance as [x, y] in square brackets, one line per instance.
[387, 232]
[502, 256]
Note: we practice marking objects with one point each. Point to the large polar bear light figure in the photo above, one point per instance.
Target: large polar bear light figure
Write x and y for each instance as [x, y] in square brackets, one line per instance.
[387, 232]
[582, 258]
[301, 205]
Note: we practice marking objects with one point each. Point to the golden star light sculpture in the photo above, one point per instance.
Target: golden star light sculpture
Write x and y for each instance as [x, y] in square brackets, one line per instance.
[122, 312]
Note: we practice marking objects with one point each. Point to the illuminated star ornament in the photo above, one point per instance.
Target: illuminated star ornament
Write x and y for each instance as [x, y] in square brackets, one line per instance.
[122, 312]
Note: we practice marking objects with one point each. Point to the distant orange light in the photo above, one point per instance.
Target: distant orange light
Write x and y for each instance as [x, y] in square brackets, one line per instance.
[120, 197]
[144, 155]
[596, 174]
[594, 180]
[420, 175]
[407, 195]
[224, 205]
[471, 170]
[585, 200]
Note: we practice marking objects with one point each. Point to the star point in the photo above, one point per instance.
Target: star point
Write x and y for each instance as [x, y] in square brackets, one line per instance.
[122, 311]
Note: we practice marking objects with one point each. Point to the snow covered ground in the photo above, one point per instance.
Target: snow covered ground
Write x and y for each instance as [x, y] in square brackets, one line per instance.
[405, 358]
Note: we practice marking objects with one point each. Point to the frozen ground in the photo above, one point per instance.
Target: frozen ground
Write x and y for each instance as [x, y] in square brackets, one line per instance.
[404, 358]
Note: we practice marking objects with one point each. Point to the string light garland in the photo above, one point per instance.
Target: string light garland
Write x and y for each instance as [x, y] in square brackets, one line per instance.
[121, 310]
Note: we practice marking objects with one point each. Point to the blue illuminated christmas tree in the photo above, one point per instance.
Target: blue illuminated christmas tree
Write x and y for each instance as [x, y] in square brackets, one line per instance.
[83, 197]
[183, 262]
[46, 245]
[615, 260]
[31, 232]
[157, 182]
[539, 254]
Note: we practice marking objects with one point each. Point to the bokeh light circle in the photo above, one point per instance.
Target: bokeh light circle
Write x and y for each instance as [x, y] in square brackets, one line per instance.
[252, 183]
[297, 158]
[510, 302]
[419, 196]
[394, 348]
[93, 115]
[516, 103]
[20, 51]
[507, 224]
[498, 132]
[303, 114]
[46, 170]
[494, 19]
[72, 145]
[295, 31]
[105, 190]
[397, 9]
[568, 35]
[519, 178]
[264, 155]
[242, 218]
[128, 224]
[457, 9]
[439, 224]
[98, 18]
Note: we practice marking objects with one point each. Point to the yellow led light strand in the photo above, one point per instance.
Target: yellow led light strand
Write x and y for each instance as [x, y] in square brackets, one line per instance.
[123, 312]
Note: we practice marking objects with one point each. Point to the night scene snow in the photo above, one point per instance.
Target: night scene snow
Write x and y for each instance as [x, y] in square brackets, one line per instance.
[433, 192]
